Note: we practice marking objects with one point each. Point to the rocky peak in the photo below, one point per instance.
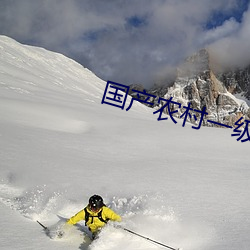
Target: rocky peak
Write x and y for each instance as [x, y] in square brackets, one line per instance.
[197, 84]
[237, 81]
[197, 64]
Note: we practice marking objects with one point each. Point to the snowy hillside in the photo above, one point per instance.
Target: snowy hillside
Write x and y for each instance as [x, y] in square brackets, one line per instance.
[59, 145]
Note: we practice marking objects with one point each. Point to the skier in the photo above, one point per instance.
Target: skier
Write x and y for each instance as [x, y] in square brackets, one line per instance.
[95, 214]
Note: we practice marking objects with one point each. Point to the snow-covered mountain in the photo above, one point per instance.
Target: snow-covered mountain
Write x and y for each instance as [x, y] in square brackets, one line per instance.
[237, 81]
[224, 94]
[196, 83]
[59, 145]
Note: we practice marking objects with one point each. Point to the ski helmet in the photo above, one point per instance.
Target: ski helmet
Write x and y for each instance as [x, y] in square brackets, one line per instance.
[95, 202]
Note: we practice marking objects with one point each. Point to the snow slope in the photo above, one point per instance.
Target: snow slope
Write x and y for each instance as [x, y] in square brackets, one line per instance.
[59, 145]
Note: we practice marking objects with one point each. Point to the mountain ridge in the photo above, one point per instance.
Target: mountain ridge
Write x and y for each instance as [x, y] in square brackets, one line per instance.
[200, 84]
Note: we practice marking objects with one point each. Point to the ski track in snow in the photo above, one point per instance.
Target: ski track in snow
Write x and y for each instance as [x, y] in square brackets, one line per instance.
[145, 214]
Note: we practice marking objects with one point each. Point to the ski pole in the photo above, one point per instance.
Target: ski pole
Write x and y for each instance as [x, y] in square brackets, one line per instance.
[146, 238]
[45, 228]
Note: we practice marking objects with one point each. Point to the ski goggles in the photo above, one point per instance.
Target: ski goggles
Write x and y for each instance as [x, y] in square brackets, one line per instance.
[94, 208]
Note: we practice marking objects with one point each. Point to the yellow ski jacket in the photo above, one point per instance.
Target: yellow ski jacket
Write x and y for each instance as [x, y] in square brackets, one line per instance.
[94, 223]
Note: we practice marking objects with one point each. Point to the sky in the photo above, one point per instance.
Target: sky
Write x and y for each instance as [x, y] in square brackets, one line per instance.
[133, 41]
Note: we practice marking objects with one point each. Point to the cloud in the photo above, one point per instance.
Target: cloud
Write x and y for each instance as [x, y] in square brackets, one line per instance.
[228, 28]
[233, 49]
[125, 41]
